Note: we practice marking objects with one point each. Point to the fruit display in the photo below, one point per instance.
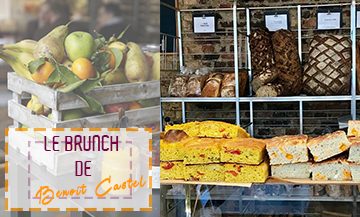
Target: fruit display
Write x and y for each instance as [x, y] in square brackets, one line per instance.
[192, 153]
[77, 63]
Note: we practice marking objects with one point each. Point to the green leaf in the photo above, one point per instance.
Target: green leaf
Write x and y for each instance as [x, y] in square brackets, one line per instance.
[121, 34]
[100, 61]
[72, 86]
[91, 102]
[53, 78]
[89, 84]
[118, 56]
[35, 64]
[66, 75]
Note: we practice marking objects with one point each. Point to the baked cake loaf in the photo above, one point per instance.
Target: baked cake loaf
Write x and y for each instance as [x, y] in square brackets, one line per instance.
[191, 128]
[354, 151]
[329, 145]
[355, 171]
[171, 147]
[220, 129]
[202, 151]
[246, 173]
[215, 129]
[172, 170]
[353, 128]
[332, 169]
[242, 150]
[287, 149]
[291, 171]
[204, 172]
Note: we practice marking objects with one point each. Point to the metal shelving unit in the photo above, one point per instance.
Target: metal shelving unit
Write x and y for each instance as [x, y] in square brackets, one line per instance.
[302, 98]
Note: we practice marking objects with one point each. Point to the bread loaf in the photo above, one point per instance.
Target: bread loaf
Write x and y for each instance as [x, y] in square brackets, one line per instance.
[228, 85]
[195, 84]
[212, 86]
[287, 60]
[265, 77]
[269, 90]
[177, 86]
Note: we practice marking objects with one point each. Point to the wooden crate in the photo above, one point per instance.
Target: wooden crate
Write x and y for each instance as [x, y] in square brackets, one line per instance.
[60, 163]
[59, 102]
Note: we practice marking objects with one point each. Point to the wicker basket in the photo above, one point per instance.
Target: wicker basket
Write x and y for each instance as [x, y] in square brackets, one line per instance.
[328, 70]
[287, 61]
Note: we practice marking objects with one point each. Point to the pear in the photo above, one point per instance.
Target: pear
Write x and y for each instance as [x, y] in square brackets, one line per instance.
[137, 68]
[114, 77]
[155, 70]
[52, 43]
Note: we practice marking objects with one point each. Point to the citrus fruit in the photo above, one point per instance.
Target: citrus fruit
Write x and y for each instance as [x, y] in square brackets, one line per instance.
[42, 73]
[112, 60]
[83, 68]
[134, 105]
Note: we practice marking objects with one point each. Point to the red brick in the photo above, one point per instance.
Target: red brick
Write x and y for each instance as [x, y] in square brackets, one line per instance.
[208, 49]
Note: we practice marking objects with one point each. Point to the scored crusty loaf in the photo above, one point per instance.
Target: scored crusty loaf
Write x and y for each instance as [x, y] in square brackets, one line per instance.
[329, 145]
[177, 87]
[195, 84]
[332, 169]
[291, 171]
[243, 150]
[353, 128]
[228, 85]
[355, 171]
[287, 149]
[354, 151]
[172, 170]
[204, 172]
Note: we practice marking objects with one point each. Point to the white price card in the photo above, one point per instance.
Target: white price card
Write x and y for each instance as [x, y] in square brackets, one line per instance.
[276, 22]
[204, 24]
[357, 19]
[328, 20]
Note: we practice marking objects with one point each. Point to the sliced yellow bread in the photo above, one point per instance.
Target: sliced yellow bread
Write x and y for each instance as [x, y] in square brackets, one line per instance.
[202, 151]
[172, 170]
[171, 146]
[242, 150]
[246, 173]
[205, 172]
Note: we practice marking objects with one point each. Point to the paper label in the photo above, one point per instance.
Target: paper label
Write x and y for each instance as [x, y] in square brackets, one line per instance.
[276, 22]
[204, 24]
[328, 20]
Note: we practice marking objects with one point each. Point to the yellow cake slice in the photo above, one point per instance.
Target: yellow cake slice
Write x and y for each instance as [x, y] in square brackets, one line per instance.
[171, 146]
[191, 128]
[243, 150]
[205, 172]
[246, 173]
[172, 170]
[215, 129]
[202, 151]
[220, 129]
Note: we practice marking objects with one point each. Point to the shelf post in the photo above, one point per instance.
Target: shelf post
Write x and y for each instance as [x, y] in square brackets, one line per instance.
[183, 112]
[248, 48]
[236, 63]
[301, 117]
[299, 32]
[187, 201]
[353, 61]
[180, 41]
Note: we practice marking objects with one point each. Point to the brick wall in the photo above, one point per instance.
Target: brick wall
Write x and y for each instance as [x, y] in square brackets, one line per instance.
[216, 51]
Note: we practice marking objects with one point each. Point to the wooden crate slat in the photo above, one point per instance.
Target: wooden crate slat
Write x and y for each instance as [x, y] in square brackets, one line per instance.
[20, 84]
[22, 114]
[108, 94]
[111, 94]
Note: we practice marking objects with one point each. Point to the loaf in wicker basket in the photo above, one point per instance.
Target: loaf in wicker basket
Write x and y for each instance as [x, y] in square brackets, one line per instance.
[287, 60]
[262, 56]
[328, 70]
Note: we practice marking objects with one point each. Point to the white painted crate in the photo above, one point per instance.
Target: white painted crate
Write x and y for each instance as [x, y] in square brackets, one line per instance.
[59, 101]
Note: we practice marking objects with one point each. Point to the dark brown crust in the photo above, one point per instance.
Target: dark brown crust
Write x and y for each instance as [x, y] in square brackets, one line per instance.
[173, 136]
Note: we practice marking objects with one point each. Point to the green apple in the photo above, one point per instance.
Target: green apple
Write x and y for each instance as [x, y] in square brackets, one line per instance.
[70, 114]
[88, 111]
[147, 103]
[79, 45]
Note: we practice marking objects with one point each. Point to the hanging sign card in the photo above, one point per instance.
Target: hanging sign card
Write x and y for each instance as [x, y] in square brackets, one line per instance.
[329, 19]
[276, 20]
[204, 23]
